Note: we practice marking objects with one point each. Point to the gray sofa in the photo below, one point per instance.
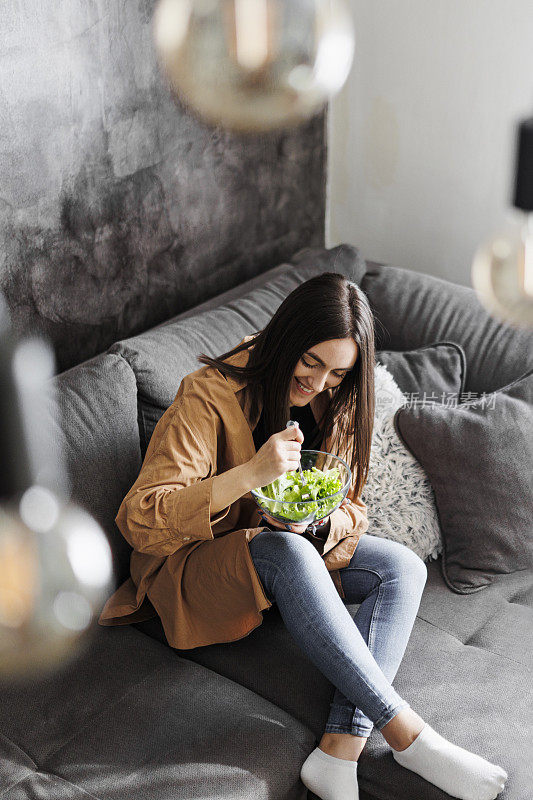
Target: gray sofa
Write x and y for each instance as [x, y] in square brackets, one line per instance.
[133, 718]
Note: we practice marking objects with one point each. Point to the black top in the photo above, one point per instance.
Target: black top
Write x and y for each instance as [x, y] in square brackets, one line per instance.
[303, 415]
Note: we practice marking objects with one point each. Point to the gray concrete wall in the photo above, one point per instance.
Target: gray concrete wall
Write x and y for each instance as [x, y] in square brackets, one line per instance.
[117, 208]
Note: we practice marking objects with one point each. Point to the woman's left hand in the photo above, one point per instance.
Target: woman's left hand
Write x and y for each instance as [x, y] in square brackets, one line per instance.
[283, 527]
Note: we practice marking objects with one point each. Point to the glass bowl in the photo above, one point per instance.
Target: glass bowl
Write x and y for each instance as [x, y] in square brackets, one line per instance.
[308, 511]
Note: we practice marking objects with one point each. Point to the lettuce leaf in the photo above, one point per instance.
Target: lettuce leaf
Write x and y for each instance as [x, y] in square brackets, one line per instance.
[309, 499]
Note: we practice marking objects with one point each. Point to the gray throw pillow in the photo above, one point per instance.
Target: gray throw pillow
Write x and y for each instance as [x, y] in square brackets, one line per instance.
[436, 370]
[479, 459]
[430, 373]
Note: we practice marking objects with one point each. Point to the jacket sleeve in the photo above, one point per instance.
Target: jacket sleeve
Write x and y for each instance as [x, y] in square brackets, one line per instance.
[169, 504]
[348, 523]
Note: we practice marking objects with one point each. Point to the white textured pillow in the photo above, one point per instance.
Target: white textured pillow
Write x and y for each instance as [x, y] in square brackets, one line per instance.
[398, 494]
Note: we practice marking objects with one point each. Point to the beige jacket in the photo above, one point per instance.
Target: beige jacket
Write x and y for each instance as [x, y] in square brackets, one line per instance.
[190, 567]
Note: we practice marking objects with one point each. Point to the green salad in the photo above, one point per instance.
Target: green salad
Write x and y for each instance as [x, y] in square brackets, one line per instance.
[311, 498]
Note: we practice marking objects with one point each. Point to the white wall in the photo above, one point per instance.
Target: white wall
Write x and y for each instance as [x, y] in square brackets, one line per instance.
[421, 138]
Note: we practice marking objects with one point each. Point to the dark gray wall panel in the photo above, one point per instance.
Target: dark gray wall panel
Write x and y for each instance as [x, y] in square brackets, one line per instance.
[117, 208]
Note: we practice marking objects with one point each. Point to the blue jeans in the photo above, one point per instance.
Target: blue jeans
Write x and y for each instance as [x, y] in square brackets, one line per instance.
[361, 655]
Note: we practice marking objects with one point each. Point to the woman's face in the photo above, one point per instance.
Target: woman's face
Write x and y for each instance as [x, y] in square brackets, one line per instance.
[322, 367]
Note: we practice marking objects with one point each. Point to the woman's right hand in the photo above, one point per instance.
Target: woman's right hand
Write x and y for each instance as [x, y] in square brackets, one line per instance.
[280, 453]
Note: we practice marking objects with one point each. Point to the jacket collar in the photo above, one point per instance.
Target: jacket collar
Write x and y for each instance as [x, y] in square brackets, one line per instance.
[239, 360]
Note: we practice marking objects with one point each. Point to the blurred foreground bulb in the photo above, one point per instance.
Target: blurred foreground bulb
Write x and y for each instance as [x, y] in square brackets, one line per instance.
[502, 273]
[253, 65]
[56, 570]
[502, 269]
[55, 561]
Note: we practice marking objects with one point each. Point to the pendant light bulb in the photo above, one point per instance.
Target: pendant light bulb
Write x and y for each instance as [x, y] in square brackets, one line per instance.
[502, 273]
[56, 565]
[502, 269]
[254, 65]
[56, 573]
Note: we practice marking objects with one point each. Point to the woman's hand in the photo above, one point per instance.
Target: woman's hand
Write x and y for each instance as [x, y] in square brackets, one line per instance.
[280, 453]
[284, 526]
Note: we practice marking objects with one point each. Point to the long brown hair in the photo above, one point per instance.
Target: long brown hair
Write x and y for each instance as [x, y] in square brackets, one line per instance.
[328, 306]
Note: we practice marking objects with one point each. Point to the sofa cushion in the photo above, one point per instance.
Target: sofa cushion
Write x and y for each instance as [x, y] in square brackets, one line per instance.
[268, 659]
[412, 309]
[479, 459]
[129, 720]
[467, 671]
[90, 415]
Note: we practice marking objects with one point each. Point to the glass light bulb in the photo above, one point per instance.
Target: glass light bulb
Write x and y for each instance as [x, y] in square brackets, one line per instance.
[254, 65]
[55, 561]
[56, 574]
[502, 272]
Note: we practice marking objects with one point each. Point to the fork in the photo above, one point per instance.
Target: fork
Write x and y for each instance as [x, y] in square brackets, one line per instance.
[289, 424]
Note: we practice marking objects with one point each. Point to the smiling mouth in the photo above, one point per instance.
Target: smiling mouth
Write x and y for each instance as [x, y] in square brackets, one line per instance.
[304, 389]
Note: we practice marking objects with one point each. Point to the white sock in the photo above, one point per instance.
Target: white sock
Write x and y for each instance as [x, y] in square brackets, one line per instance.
[330, 778]
[457, 771]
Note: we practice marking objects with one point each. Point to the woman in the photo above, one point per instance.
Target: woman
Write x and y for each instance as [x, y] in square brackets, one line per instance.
[206, 566]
